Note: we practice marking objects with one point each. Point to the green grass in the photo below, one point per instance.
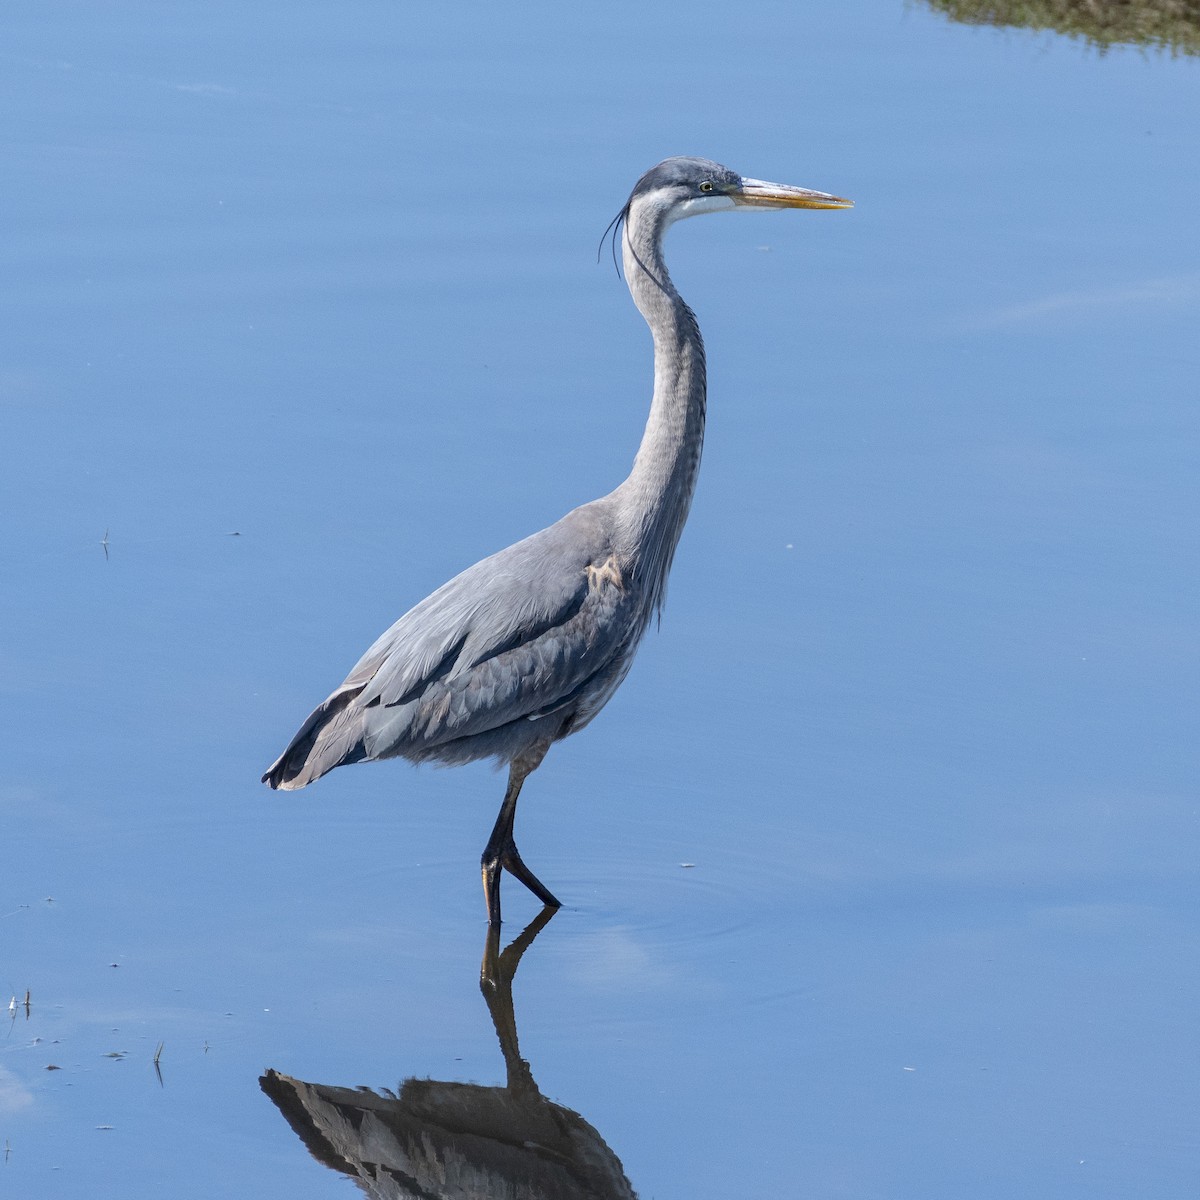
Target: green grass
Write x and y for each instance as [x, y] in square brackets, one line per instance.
[1172, 25]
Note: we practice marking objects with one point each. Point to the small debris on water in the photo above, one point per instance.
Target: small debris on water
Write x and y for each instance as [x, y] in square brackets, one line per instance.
[53, 1067]
[687, 866]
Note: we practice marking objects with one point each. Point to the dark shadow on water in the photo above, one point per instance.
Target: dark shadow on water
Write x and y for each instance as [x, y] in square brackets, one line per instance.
[449, 1140]
[1172, 25]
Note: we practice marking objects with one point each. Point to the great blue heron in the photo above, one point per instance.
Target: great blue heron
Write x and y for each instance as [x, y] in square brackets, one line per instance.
[528, 645]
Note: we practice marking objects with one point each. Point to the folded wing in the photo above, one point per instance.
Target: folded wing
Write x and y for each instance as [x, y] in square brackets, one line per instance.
[520, 637]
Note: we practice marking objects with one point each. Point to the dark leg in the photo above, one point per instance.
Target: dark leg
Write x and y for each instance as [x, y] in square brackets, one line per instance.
[501, 850]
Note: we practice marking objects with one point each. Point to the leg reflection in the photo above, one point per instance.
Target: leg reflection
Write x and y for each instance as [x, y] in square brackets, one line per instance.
[496, 974]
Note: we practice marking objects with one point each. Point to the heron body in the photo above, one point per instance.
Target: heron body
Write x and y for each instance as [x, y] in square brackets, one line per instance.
[528, 645]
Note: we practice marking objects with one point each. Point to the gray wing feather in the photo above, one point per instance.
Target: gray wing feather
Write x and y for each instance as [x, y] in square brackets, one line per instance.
[513, 637]
[498, 603]
[530, 680]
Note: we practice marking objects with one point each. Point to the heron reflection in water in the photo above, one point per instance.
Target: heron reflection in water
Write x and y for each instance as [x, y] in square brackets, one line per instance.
[439, 1140]
[527, 646]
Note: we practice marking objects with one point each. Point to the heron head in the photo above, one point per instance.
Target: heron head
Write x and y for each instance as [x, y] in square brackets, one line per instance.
[686, 187]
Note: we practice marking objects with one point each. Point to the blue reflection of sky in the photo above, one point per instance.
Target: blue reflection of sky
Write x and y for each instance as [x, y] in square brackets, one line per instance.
[302, 315]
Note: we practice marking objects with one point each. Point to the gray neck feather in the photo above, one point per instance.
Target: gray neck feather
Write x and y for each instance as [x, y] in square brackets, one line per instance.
[653, 502]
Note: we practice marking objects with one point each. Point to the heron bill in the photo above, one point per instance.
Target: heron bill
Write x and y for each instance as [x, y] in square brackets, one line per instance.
[761, 194]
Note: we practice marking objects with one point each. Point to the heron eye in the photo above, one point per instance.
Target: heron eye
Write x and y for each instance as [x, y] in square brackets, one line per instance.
[706, 186]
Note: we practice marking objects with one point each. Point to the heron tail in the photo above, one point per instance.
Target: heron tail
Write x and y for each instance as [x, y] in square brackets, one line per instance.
[331, 736]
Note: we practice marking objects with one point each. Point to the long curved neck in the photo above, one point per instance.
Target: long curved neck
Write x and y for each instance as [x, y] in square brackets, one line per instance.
[658, 493]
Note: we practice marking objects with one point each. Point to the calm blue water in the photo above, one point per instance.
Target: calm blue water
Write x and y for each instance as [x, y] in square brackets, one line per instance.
[301, 315]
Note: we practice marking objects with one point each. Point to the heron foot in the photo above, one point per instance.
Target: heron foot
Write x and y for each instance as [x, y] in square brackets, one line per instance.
[507, 858]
